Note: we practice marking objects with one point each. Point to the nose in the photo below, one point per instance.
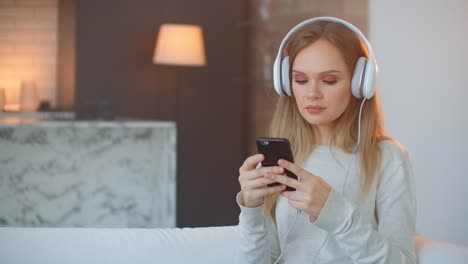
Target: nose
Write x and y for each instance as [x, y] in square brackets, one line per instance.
[314, 91]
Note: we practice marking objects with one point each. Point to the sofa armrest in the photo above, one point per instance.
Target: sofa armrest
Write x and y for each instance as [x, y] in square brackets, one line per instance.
[117, 246]
[436, 252]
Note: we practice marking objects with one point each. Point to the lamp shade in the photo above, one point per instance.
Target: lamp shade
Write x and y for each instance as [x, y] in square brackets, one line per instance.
[180, 45]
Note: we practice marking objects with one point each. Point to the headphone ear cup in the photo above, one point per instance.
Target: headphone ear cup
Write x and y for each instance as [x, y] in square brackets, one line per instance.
[285, 83]
[277, 76]
[369, 81]
[358, 77]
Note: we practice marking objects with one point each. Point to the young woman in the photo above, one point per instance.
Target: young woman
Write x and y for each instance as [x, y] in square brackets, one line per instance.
[355, 199]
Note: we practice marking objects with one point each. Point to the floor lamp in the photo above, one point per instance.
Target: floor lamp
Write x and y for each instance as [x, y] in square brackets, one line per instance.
[179, 45]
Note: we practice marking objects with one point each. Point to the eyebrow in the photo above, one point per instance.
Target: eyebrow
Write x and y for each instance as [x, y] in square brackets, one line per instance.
[324, 72]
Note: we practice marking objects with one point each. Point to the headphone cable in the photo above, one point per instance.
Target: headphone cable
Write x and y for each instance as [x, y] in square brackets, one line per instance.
[286, 237]
[356, 147]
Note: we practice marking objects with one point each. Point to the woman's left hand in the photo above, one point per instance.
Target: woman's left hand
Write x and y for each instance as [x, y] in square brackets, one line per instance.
[311, 190]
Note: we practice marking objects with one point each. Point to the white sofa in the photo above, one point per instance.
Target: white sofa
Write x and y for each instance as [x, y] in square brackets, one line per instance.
[187, 245]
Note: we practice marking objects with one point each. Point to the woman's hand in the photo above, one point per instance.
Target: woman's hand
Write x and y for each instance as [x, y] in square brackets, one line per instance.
[311, 190]
[254, 184]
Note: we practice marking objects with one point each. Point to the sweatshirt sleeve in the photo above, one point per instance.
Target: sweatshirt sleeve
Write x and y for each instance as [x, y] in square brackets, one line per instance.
[392, 242]
[258, 237]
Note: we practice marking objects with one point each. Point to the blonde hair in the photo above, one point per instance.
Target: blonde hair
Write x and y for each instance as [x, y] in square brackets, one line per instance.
[287, 122]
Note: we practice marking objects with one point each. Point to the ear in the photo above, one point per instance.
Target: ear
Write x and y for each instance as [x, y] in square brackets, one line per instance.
[285, 83]
[358, 77]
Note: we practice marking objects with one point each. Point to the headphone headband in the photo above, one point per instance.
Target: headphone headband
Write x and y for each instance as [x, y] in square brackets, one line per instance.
[369, 70]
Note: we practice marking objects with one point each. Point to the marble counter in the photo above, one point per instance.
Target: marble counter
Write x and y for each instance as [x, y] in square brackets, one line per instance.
[87, 174]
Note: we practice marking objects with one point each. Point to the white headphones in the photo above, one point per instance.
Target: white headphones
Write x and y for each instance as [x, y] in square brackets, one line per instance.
[364, 77]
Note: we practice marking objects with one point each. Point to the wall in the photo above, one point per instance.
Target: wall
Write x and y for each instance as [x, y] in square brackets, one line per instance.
[28, 49]
[115, 76]
[421, 47]
[66, 58]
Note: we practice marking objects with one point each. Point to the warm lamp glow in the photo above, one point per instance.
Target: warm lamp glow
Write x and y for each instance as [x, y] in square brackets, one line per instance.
[180, 45]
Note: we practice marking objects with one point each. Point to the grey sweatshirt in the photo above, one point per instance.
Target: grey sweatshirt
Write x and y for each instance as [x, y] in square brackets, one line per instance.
[376, 229]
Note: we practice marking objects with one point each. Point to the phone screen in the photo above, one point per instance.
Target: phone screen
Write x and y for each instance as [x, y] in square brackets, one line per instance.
[275, 149]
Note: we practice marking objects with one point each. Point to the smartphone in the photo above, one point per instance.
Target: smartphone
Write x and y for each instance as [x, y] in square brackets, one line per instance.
[275, 149]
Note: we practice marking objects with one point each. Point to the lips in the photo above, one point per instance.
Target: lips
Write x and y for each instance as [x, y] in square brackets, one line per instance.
[314, 108]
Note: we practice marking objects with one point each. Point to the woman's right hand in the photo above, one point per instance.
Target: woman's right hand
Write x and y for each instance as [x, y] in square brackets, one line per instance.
[254, 184]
